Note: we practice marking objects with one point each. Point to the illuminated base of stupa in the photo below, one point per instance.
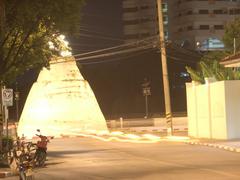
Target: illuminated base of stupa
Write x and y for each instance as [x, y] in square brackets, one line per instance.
[61, 102]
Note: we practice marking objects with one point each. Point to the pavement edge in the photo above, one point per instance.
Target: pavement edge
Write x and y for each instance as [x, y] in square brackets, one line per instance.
[5, 174]
[219, 146]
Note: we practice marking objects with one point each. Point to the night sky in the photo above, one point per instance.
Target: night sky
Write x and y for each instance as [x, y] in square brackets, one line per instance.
[101, 26]
[117, 84]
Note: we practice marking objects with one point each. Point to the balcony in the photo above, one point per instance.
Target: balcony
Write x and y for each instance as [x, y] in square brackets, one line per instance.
[183, 4]
[193, 18]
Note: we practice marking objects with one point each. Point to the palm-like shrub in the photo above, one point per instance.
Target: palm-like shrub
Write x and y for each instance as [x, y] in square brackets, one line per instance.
[213, 70]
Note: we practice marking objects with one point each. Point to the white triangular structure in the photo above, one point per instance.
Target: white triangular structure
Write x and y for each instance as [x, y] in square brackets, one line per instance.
[61, 102]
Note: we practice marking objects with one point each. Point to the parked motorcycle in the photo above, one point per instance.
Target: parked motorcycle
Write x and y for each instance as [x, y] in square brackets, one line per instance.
[21, 160]
[41, 150]
[25, 169]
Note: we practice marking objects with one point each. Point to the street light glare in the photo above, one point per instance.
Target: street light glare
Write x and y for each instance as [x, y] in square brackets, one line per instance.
[62, 46]
[62, 37]
[65, 53]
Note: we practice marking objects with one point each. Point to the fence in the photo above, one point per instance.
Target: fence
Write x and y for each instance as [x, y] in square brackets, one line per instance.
[213, 109]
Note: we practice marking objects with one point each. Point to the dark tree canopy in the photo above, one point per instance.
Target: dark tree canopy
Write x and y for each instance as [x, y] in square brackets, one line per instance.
[232, 30]
[28, 27]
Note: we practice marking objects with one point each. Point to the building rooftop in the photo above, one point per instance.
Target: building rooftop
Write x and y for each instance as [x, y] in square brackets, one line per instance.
[231, 60]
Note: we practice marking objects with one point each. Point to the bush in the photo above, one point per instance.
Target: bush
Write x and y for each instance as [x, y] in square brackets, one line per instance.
[6, 140]
[213, 70]
[3, 154]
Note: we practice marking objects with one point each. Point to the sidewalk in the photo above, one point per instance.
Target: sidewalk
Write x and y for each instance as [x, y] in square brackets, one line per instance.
[230, 145]
[5, 172]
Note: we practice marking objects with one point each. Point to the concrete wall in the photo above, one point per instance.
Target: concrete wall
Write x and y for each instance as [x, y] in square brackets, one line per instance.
[214, 110]
[179, 123]
[232, 92]
[218, 110]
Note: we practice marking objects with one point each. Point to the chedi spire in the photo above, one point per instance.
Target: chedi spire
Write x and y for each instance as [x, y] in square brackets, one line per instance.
[61, 102]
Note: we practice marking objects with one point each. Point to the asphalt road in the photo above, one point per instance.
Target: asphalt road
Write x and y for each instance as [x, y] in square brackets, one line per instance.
[90, 159]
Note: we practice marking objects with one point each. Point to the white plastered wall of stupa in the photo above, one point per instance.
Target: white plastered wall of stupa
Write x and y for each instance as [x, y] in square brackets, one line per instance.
[60, 103]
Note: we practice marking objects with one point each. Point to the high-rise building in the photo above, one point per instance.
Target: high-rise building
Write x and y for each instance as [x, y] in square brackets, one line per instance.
[140, 19]
[199, 24]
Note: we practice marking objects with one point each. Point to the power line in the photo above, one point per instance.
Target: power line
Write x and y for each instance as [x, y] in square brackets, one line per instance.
[171, 58]
[108, 54]
[101, 37]
[141, 45]
[115, 47]
[180, 60]
[176, 59]
[115, 53]
[172, 45]
[137, 50]
[118, 58]
[99, 34]
[183, 54]
[186, 51]
[87, 45]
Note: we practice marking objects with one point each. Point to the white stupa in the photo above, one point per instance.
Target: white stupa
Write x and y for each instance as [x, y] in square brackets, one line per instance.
[61, 102]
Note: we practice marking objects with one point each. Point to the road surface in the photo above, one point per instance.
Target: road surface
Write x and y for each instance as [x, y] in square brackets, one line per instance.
[90, 159]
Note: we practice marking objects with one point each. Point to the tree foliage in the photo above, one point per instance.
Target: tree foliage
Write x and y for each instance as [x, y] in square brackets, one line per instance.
[232, 30]
[213, 70]
[29, 26]
[209, 64]
[195, 75]
[210, 57]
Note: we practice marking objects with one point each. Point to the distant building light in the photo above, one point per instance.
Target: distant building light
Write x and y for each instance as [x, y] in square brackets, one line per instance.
[184, 74]
[210, 44]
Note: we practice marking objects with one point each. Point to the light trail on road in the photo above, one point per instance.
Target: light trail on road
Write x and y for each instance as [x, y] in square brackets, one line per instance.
[124, 137]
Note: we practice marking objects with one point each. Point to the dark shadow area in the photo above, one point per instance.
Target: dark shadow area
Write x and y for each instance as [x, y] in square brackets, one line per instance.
[62, 153]
[53, 163]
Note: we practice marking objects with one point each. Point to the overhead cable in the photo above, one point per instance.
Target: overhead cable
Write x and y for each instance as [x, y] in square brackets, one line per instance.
[117, 47]
[117, 58]
[115, 53]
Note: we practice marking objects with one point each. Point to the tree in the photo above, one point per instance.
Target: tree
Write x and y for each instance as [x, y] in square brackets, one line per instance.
[26, 27]
[231, 32]
[29, 26]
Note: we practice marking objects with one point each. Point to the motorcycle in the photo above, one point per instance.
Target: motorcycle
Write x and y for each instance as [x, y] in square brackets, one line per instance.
[21, 161]
[25, 170]
[41, 150]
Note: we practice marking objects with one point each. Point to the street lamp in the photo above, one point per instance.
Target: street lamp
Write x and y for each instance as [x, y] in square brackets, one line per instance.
[146, 93]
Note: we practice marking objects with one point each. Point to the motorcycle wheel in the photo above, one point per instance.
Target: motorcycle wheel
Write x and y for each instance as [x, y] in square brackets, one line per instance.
[22, 175]
[29, 178]
[41, 158]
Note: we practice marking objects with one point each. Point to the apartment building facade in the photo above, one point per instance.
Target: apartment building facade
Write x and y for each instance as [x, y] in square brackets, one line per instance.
[141, 20]
[199, 24]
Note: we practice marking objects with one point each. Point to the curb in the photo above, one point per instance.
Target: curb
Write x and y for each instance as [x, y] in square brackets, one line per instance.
[154, 130]
[6, 174]
[219, 146]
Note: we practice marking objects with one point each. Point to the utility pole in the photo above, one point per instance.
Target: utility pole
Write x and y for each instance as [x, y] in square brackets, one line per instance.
[167, 99]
